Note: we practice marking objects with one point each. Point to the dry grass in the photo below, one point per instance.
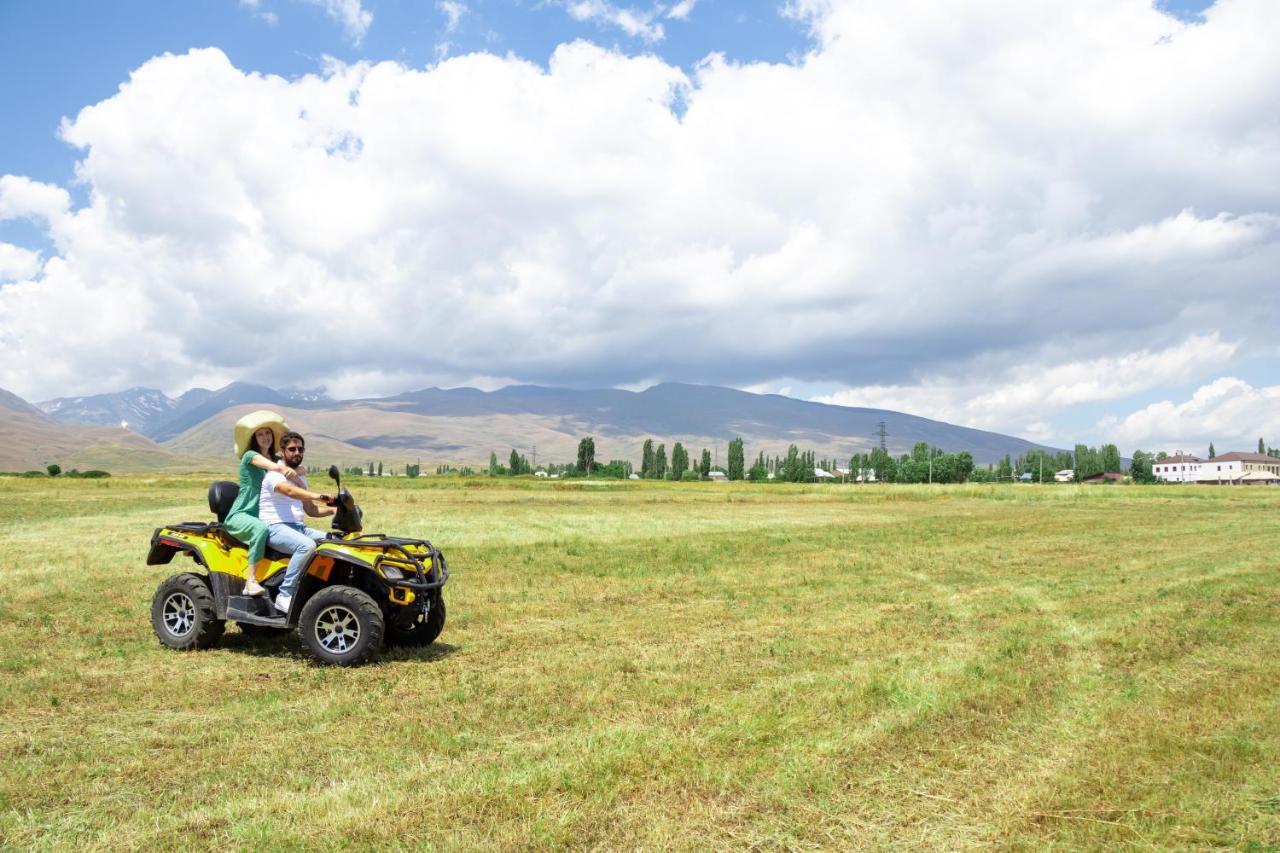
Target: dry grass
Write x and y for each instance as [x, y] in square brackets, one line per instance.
[672, 666]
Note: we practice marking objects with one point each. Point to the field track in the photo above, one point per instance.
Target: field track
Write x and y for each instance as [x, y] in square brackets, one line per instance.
[648, 665]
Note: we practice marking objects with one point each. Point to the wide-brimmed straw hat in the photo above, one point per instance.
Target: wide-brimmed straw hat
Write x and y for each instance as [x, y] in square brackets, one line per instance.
[254, 421]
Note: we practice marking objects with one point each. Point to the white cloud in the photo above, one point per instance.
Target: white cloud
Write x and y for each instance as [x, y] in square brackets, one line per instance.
[17, 263]
[355, 19]
[1025, 395]
[453, 12]
[680, 11]
[1229, 412]
[634, 22]
[922, 201]
[23, 198]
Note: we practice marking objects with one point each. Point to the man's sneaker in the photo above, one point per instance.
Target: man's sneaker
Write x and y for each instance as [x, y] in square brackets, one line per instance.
[283, 601]
[252, 587]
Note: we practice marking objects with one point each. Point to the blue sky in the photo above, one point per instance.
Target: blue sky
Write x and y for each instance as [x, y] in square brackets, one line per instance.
[866, 185]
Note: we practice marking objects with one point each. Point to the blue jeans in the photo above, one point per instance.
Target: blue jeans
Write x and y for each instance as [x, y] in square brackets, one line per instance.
[299, 539]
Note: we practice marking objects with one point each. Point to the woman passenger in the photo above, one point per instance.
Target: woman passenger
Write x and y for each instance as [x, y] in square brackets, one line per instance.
[257, 437]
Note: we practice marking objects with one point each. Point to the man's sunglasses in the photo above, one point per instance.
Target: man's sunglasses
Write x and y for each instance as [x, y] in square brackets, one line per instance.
[290, 448]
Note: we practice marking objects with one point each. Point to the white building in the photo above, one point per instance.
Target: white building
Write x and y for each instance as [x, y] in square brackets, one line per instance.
[1066, 475]
[1179, 468]
[1233, 467]
[1228, 469]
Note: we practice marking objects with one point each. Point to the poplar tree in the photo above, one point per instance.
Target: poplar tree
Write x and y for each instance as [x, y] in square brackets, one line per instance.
[646, 460]
[660, 463]
[679, 461]
[705, 468]
[737, 460]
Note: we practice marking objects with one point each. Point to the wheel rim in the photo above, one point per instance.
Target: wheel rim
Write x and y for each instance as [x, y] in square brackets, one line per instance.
[179, 614]
[337, 629]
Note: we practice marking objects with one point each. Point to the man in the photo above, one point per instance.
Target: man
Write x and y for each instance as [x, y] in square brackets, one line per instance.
[281, 507]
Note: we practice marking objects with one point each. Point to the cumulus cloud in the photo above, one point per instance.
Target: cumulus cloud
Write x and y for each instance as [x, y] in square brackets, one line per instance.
[1022, 397]
[17, 263]
[921, 199]
[1228, 411]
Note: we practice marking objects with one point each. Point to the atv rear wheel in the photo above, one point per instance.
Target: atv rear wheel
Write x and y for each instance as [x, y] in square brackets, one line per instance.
[341, 625]
[418, 633]
[183, 615]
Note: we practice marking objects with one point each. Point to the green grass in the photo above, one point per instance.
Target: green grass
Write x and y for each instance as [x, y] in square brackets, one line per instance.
[671, 666]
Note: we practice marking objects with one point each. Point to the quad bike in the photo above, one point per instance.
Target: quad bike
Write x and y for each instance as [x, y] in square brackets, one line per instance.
[358, 590]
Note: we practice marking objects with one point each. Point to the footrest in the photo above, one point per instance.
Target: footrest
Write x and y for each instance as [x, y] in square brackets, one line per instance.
[255, 610]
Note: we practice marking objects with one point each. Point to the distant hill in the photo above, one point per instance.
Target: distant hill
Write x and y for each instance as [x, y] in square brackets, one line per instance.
[30, 440]
[462, 425]
[158, 416]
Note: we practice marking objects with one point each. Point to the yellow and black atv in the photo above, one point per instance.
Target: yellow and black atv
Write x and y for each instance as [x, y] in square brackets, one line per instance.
[359, 589]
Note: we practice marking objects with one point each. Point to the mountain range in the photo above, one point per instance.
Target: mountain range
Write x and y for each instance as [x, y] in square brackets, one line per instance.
[143, 428]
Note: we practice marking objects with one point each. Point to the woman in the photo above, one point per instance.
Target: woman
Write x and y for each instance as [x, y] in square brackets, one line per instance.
[257, 437]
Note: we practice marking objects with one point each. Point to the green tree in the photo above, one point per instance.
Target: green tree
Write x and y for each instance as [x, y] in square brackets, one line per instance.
[412, 471]
[1110, 459]
[883, 465]
[704, 470]
[493, 463]
[586, 454]
[646, 460]
[1212, 453]
[1004, 469]
[1140, 467]
[758, 471]
[660, 463]
[379, 467]
[737, 460]
[54, 469]
[1262, 447]
[679, 461]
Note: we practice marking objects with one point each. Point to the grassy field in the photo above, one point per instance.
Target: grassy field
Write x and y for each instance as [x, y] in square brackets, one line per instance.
[671, 666]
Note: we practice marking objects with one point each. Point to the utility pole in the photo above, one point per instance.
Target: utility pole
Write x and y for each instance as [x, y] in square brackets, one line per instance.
[535, 456]
[883, 435]
[931, 465]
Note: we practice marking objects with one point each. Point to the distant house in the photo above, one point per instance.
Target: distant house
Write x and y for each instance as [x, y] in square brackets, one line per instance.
[1108, 477]
[633, 477]
[718, 477]
[1066, 475]
[823, 475]
[540, 473]
[1179, 468]
[1027, 477]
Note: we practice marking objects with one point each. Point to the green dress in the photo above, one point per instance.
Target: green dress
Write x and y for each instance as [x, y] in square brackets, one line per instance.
[242, 520]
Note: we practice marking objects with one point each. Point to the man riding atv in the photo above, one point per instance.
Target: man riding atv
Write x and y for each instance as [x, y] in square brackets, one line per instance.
[281, 507]
[351, 590]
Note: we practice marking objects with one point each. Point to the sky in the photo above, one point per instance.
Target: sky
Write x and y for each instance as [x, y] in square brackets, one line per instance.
[1055, 220]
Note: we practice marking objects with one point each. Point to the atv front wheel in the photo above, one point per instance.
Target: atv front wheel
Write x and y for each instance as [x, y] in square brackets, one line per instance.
[419, 631]
[183, 615]
[341, 625]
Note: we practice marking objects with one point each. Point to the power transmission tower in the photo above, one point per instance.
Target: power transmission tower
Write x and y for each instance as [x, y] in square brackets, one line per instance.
[883, 435]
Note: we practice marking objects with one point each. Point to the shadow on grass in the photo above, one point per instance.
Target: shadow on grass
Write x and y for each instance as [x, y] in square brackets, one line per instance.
[274, 643]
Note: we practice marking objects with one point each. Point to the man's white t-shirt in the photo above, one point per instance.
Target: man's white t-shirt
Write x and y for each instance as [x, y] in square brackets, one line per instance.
[275, 508]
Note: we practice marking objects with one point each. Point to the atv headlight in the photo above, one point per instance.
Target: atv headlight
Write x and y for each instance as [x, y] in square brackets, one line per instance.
[392, 573]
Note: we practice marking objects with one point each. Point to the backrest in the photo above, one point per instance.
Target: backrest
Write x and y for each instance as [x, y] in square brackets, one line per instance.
[221, 496]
